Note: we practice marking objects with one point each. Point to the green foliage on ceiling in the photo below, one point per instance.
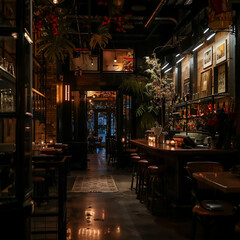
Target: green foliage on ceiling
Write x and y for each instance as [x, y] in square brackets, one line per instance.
[101, 38]
[53, 31]
[56, 47]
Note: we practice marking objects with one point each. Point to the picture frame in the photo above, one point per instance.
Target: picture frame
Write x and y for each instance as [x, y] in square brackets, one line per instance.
[220, 78]
[221, 51]
[206, 83]
[207, 57]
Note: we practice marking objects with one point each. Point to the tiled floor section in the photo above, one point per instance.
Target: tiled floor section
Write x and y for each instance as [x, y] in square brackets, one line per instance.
[120, 215]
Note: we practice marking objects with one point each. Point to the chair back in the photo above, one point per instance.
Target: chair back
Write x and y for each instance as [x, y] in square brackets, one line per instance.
[203, 167]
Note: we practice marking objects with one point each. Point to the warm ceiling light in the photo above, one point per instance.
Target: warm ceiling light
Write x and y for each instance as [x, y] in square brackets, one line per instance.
[55, 1]
[115, 59]
[212, 35]
[198, 46]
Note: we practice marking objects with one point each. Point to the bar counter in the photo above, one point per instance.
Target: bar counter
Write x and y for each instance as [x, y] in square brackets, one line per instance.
[177, 191]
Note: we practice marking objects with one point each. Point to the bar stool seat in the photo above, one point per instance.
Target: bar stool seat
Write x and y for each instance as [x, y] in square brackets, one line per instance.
[134, 154]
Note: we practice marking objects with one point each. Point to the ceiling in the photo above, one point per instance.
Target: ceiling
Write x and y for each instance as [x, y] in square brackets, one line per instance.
[135, 22]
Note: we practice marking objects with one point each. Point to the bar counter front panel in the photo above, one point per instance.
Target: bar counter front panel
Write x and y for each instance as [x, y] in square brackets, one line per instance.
[177, 190]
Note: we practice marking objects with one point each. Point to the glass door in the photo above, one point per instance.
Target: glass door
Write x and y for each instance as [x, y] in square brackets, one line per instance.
[102, 125]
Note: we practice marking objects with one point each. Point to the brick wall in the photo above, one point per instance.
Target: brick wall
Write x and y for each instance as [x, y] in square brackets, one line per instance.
[51, 107]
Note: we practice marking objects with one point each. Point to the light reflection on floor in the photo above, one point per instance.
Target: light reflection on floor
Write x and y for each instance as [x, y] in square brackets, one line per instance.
[116, 216]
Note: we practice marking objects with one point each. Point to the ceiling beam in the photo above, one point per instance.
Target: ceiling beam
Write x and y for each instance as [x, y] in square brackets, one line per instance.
[156, 11]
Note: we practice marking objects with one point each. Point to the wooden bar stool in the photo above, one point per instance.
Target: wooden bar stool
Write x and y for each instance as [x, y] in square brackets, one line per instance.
[155, 185]
[141, 175]
[134, 160]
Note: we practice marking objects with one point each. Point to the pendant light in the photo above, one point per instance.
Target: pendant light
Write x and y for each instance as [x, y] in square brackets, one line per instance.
[115, 58]
[55, 2]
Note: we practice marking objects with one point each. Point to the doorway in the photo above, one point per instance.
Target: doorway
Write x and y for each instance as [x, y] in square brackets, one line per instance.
[101, 112]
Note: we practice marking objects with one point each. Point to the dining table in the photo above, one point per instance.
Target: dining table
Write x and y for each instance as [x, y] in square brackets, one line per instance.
[226, 182]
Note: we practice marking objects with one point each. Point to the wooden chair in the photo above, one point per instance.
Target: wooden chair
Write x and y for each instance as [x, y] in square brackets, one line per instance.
[206, 210]
[201, 166]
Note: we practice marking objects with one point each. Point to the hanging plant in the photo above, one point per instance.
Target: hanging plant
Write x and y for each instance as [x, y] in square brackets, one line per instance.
[53, 33]
[56, 46]
[100, 38]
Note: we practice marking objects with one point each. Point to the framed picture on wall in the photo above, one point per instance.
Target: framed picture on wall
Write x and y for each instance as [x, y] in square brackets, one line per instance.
[220, 78]
[221, 51]
[206, 83]
[207, 57]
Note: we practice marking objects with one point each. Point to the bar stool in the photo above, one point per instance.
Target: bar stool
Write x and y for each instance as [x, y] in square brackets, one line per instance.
[155, 185]
[134, 160]
[141, 177]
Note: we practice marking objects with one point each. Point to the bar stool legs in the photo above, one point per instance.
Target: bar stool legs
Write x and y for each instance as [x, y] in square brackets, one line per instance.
[141, 178]
[155, 186]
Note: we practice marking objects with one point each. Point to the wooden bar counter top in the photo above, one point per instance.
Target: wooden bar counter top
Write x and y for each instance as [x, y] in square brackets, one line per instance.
[165, 148]
[175, 158]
